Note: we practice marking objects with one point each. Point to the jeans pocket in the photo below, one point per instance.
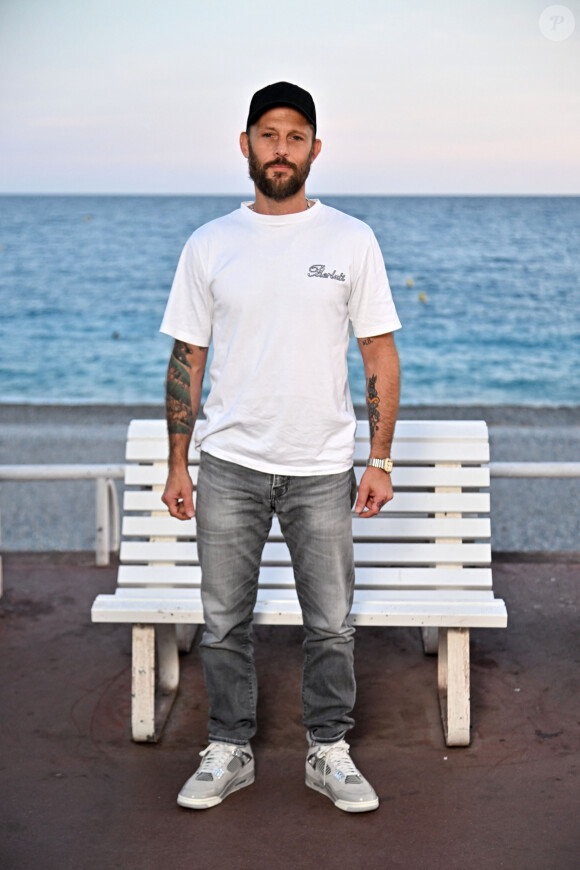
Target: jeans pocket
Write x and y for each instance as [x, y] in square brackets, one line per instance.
[353, 488]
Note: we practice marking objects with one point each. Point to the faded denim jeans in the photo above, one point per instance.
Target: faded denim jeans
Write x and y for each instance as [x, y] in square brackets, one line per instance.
[234, 508]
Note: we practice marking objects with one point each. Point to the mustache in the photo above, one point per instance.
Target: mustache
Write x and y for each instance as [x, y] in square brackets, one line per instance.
[280, 161]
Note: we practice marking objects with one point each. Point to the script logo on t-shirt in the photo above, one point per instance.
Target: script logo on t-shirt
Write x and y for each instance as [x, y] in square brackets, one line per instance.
[318, 271]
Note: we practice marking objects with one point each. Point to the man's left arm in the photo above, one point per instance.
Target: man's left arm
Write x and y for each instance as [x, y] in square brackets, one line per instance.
[381, 364]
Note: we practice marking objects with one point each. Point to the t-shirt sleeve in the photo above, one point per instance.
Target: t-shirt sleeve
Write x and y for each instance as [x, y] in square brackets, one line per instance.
[189, 311]
[371, 307]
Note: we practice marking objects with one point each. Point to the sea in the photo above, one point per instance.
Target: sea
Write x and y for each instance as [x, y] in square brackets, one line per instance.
[487, 289]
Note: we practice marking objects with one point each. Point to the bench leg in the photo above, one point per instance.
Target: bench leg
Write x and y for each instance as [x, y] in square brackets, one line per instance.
[147, 723]
[453, 682]
[430, 638]
[143, 683]
[185, 636]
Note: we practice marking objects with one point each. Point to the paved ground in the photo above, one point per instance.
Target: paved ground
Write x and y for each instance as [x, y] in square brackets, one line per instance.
[77, 794]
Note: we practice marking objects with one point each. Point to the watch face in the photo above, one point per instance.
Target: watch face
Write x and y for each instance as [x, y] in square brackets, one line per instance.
[385, 464]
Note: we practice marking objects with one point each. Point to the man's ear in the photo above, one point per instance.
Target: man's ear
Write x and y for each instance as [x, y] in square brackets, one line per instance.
[244, 144]
[317, 145]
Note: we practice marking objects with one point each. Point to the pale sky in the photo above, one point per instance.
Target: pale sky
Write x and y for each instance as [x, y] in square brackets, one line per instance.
[412, 96]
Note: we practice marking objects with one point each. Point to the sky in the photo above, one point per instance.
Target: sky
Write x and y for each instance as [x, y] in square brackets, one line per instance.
[412, 96]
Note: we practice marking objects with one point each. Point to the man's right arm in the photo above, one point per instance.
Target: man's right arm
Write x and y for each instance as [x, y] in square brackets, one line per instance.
[182, 400]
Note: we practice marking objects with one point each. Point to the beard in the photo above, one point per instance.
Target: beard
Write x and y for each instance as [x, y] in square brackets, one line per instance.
[281, 187]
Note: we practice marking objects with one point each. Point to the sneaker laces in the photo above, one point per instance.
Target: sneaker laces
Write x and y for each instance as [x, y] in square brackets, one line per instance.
[337, 754]
[216, 758]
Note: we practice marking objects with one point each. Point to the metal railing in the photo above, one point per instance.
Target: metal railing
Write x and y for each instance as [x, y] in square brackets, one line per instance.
[534, 469]
[107, 533]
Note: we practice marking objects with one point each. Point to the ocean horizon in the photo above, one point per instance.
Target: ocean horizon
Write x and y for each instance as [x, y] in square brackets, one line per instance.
[487, 288]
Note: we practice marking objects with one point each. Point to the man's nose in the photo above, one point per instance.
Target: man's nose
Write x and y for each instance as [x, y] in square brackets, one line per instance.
[281, 149]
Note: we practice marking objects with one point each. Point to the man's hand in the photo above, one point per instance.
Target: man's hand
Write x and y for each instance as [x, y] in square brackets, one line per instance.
[375, 490]
[178, 495]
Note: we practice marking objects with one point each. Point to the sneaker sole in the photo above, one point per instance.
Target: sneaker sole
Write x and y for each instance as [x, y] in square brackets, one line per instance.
[347, 806]
[207, 803]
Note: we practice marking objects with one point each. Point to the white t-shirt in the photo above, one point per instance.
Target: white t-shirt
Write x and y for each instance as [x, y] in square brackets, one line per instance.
[275, 295]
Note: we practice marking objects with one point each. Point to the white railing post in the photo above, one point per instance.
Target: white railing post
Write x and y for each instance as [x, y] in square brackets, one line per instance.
[114, 515]
[102, 542]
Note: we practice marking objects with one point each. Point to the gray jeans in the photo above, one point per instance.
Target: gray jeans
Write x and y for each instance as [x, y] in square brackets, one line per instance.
[234, 509]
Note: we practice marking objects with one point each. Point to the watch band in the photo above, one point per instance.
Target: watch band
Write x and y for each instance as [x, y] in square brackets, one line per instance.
[385, 464]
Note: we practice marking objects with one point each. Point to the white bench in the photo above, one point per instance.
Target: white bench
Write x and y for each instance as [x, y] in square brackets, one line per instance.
[424, 561]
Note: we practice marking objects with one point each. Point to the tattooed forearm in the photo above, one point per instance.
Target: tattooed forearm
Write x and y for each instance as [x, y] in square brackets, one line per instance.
[366, 341]
[373, 405]
[178, 391]
[381, 363]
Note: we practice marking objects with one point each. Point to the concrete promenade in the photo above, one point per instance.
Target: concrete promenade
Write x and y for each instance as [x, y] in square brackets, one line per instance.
[527, 515]
[77, 794]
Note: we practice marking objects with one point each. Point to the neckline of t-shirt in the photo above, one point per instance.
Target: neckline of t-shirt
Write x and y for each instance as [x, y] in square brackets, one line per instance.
[281, 219]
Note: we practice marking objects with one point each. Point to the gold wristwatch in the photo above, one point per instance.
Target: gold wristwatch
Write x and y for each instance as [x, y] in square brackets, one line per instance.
[385, 464]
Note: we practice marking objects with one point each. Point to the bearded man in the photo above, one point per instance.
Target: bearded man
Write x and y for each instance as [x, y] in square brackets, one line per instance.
[274, 286]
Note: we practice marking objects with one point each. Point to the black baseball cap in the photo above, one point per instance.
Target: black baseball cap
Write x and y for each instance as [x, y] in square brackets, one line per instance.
[282, 94]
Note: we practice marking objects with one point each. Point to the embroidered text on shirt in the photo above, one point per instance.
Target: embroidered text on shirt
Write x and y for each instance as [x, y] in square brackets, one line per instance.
[318, 272]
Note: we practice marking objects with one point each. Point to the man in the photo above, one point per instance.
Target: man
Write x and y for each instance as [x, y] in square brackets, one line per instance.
[274, 285]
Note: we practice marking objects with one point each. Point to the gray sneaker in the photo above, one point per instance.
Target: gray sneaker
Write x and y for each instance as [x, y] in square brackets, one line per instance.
[331, 771]
[225, 768]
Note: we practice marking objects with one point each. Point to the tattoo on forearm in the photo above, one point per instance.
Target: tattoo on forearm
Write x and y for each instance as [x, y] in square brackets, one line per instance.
[366, 341]
[373, 404]
[178, 396]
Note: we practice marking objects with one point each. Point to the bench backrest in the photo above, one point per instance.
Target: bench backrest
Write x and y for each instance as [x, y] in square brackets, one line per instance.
[435, 534]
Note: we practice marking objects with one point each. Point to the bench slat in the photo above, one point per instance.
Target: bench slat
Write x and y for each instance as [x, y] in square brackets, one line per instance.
[423, 452]
[431, 429]
[370, 554]
[283, 595]
[381, 528]
[404, 502]
[114, 608]
[281, 576]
